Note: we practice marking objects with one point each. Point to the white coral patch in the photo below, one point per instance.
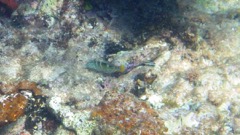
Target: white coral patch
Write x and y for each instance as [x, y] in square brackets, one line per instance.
[156, 101]
[190, 120]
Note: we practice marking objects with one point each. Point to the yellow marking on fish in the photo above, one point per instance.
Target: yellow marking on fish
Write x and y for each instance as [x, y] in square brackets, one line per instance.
[122, 68]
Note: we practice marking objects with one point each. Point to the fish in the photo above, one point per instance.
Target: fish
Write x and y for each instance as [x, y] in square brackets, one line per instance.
[104, 67]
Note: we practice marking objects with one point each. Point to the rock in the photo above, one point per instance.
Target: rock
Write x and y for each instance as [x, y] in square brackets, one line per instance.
[128, 114]
[72, 119]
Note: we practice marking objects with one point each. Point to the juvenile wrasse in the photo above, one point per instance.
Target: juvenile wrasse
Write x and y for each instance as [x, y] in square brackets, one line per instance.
[104, 67]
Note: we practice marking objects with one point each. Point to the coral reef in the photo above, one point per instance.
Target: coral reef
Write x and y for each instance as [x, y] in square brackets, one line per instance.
[180, 57]
[128, 114]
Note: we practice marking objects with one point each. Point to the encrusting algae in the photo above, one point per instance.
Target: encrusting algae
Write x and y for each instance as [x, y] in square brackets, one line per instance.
[128, 114]
[12, 107]
[13, 102]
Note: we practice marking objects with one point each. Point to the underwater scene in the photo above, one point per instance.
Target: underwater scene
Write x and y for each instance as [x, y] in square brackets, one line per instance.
[119, 67]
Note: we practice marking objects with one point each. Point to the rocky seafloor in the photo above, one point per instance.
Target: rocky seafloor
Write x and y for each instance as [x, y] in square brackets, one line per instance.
[163, 67]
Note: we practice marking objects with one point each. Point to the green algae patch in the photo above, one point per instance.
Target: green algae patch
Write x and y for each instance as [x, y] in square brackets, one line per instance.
[87, 5]
[170, 103]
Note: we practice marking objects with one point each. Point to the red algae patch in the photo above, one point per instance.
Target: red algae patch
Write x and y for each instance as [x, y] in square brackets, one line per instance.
[10, 3]
[130, 115]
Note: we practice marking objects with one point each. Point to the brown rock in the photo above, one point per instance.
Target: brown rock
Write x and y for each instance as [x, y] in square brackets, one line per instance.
[130, 115]
[12, 107]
